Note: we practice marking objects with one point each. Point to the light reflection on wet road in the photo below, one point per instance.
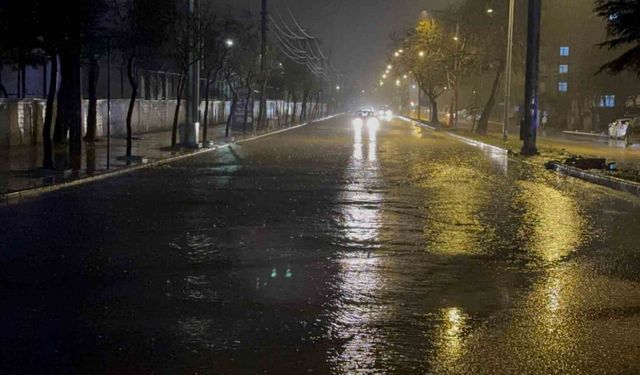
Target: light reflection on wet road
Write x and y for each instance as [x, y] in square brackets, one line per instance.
[330, 249]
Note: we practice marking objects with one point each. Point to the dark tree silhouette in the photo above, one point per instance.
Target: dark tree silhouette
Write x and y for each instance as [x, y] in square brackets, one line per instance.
[623, 31]
[141, 28]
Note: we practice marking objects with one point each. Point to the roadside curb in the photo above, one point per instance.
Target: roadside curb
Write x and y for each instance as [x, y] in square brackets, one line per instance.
[17, 196]
[461, 138]
[420, 123]
[606, 181]
[584, 134]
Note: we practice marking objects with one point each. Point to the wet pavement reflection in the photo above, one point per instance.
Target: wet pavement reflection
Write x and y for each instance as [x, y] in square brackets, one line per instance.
[337, 248]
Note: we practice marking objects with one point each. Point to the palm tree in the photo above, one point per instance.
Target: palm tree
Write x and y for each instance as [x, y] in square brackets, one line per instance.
[623, 30]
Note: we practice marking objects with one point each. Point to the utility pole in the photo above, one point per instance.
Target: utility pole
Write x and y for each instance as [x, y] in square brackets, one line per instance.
[458, 73]
[263, 50]
[190, 133]
[528, 129]
[262, 112]
[508, 73]
[419, 109]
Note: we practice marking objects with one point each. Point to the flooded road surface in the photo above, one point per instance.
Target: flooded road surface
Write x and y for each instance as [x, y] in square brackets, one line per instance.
[331, 249]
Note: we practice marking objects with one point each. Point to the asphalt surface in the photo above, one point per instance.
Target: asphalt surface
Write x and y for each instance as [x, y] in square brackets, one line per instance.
[330, 249]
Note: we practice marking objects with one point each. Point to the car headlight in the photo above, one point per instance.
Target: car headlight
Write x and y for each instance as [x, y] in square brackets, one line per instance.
[373, 122]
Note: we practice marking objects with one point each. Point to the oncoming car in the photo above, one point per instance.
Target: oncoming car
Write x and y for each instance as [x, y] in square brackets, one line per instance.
[385, 112]
[367, 117]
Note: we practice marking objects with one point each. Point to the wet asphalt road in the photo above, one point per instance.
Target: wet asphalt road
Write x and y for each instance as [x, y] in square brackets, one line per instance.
[330, 249]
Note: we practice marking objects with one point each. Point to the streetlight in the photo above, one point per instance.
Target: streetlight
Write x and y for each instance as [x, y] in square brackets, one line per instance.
[389, 67]
[397, 54]
[338, 88]
[229, 43]
[421, 53]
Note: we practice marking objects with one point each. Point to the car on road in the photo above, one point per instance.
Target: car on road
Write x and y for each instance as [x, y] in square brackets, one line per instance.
[385, 111]
[619, 128]
[365, 114]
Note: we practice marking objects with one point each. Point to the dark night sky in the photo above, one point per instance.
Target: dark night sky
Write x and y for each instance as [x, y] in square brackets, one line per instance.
[355, 31]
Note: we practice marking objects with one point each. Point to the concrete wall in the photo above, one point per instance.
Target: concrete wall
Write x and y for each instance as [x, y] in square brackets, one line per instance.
[21, 121]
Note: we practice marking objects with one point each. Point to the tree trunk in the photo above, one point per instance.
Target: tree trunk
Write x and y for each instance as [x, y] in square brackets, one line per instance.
[92, 110]
[287, 99]
[483, 123]
[23, 75]
[176, 113]
[246, 111]
[261, 110]
[295, 109]
[451, 112]
[3, 90]
[434, 109]
[60, 131]
[234, 101]
[303, 111]
[72, 118]
[47, 160]
[132, 100]
[205, 122]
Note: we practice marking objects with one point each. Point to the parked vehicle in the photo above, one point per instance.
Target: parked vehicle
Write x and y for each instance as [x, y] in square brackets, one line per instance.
[618, 129]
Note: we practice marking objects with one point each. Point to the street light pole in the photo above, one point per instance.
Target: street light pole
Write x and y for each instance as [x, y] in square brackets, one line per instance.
[528, 129]
[508, 73]
[263, 50]
[190, 133]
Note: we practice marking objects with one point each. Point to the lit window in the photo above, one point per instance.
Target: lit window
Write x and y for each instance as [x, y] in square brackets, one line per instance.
[563, 86]
[563, 69]
[564, 51]
[608, 101]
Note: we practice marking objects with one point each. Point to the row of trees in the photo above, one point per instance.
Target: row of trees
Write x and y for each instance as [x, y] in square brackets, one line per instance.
[149, 34]
[466, 43]
[444, 49]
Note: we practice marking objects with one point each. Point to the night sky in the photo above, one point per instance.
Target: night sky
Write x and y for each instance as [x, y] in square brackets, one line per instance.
[357, 32]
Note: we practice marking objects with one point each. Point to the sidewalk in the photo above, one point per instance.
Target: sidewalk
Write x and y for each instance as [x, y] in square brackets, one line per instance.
[555, 149]
[20, 167]
[559, 145]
